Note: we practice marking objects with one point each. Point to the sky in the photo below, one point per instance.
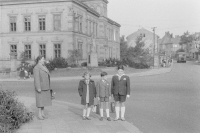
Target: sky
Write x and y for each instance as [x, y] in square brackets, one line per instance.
[175, 16]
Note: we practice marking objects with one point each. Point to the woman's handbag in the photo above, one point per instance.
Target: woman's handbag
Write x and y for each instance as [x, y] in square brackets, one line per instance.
[52, 94]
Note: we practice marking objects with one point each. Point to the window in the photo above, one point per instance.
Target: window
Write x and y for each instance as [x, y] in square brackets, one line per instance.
[80, 24]
[28, 51]
[57, 50]
[80, 48]
[13, 24]
[42, 50]
[41, 23]
[27, 23]
[57, 22]
[13, 49]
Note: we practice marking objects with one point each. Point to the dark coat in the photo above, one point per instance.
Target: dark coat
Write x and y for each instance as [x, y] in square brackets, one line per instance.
[82, 89]
[103, 89]
[42, 81]
[121, 86]
[41, 77]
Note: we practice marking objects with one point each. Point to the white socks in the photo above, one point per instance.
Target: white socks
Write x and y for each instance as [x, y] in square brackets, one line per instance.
[107, 112]
[117, 112]
[122, 112]
[101, 112]
[84, 112]
[88, 111]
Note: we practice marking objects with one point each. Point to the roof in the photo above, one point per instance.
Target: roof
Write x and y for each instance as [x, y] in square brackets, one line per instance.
[14, 2]
[167, 39]
[142, 30]
[113, 22]
[176, 40]
[94, 0]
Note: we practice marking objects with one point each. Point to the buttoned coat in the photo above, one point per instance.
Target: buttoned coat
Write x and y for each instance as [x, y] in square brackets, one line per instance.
[103, 89]
[41, 77]
[42, 81]
[82, 89]
[120, 86]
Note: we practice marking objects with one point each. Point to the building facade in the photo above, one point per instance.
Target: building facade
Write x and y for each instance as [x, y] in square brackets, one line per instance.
[147, 37]
[54, 27]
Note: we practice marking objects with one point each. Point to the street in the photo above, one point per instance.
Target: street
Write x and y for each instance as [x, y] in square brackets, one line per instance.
[166, 103]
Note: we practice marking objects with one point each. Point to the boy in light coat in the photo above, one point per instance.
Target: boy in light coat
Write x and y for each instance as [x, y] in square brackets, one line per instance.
[103, 94]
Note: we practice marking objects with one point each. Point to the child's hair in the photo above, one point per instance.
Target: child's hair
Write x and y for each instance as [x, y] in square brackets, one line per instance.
[85, 73]
[120, 67]
[103, 74]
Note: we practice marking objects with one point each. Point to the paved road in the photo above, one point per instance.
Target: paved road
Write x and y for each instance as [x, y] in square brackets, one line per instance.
[167, 103]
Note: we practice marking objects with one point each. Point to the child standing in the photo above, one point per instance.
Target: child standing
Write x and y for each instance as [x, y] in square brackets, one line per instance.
[87, 92]
[103, 94]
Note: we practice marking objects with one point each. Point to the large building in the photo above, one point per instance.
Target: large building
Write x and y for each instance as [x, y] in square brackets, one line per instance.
[54, 27]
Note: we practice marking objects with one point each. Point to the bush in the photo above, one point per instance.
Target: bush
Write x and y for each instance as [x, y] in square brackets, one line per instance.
[12, 113]
[57, 63]
[110, 62]
[84, 64]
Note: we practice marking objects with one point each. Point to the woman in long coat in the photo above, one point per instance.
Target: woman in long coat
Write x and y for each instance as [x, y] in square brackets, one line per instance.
[42, 86]
[87, 92]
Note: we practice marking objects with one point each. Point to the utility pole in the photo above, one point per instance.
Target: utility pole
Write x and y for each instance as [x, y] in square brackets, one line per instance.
[154, 40]
[154, 46]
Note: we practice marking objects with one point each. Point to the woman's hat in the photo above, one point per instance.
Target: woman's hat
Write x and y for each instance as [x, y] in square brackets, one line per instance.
[86, 73]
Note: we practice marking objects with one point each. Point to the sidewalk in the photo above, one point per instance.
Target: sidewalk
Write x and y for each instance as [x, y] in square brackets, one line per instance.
[66, 117]
[151, 72]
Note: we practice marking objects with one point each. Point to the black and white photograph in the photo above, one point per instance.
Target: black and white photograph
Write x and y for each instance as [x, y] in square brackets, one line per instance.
[99, 66]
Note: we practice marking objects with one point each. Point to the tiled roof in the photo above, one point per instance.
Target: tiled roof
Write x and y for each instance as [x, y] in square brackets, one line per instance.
[176, 40]
[166, 40]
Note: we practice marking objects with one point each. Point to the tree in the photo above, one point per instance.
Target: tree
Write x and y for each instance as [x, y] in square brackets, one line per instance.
[186, 39]
[75, 56]
[23, 56]
[123, 48]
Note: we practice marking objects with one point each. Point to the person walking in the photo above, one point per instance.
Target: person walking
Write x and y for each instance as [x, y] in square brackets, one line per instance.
[103, 94]
[42, 86]
[120, 90]
[87, 92]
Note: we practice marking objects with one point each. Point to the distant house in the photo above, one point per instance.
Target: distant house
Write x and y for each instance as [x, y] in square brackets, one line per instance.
[195, 46]
[169, 44]
[147, 38]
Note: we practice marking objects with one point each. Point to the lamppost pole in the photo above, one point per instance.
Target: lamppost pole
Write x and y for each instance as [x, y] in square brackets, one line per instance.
[153, 45]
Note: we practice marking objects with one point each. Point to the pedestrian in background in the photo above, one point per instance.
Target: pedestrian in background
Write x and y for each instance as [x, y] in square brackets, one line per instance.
[120, 90]
[42, 86]
[87, 92]
[103, 94]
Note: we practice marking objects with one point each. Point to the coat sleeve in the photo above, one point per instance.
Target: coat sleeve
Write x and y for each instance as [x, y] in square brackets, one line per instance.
[36, 74]
[80, 88]
[95, 92]
[97, 89]
[112, 86]
[109, 90]
[128, 86]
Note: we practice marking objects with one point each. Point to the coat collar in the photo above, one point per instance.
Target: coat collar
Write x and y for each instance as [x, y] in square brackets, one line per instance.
[84, 80]
[120, 77]
[43, 68]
